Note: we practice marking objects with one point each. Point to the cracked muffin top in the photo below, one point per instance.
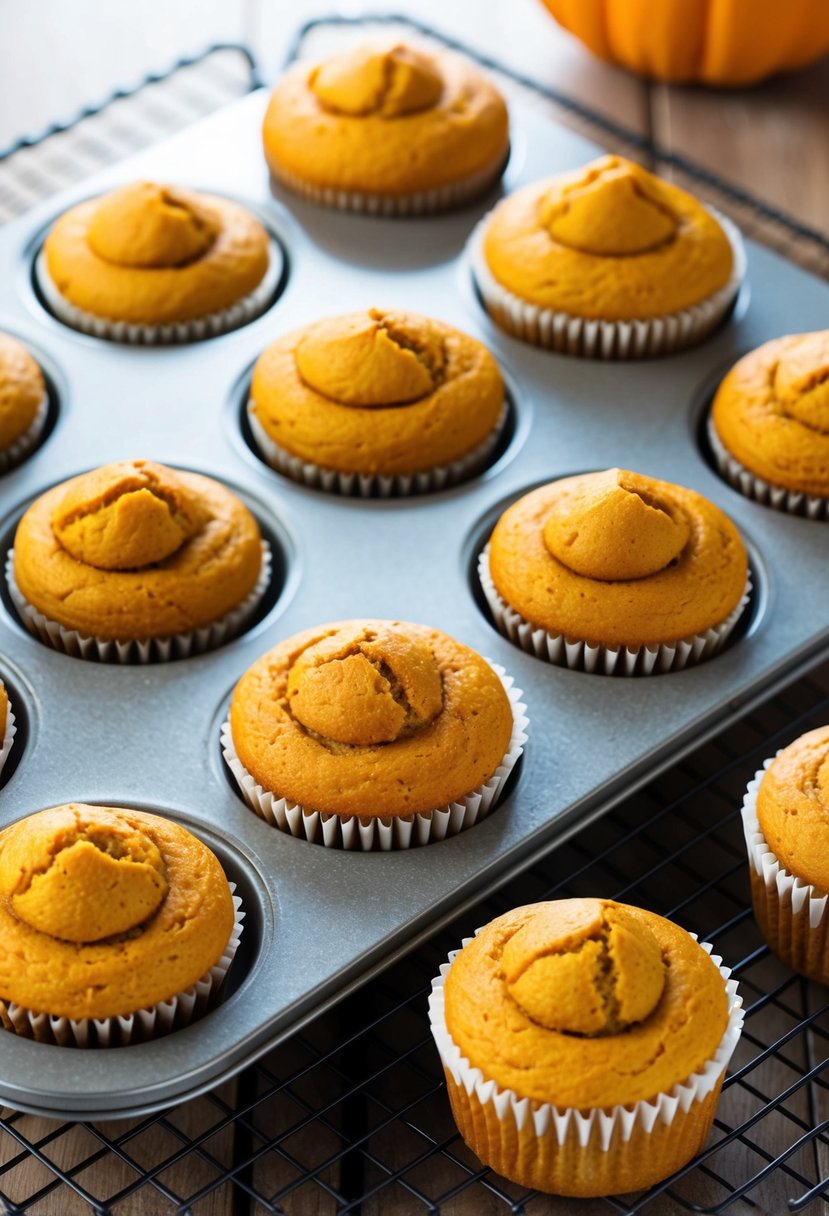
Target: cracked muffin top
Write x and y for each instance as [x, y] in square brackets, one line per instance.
[793, 808]
[771, 412]
[371, 718]
[112, 910]
[22, 390]
[385, 118]
[156, 255]
[136, 550]
[378, 391]
[585, 1003]
[609, 241]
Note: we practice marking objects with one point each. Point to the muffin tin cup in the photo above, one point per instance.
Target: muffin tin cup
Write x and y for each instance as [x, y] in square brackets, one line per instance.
[23, 445]
[138, 1027]
[8, 737]
[377, 832]
[595, 338]
[373, 485]
[575, 1152]
[135, 650]
[793, 915]
[133, 334]
[580, 655]
[420, 202]
[793, 502]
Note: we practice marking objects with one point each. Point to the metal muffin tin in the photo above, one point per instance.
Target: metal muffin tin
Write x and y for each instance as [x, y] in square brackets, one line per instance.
[321, 920]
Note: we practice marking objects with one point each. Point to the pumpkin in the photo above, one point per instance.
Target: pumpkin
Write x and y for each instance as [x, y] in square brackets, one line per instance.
[721, 42]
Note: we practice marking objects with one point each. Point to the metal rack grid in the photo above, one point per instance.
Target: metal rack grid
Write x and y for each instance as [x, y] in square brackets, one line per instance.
[350, 1116]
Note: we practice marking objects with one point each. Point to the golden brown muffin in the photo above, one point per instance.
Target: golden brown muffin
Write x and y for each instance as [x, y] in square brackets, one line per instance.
[136, 550]
[608, 243]
[387, 126]
[618, 560]
[154, 255]
[22, 391]
[771, 413]
[113, 910]
[786, 822]
[370, 718]
[378, 392]
[583, 1005]
[4, 712]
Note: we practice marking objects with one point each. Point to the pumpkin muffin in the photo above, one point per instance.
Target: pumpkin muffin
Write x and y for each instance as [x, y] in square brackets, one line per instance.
[24, 402]
[116, 912]
[134, 559]
[377, 402]
[387, 128]
[608, 261]
[769, 425]
[616, 573]
[364, 733]
[786, 825]
[151, 263]
[584, 1044]
[7, 726]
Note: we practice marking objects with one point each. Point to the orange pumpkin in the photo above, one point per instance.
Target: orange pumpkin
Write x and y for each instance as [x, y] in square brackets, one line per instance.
[722, 42]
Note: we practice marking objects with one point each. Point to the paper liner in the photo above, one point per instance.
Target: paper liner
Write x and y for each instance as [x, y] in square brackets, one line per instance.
[792, 914]
[135, 650]
[23, 445]
[574, 1152]
[421, 202]
[394, 831]
[134, 334]
[793, 502]
[597, 339]
[138, 1027]
[8, 738]
[605, 660]
[373, 485]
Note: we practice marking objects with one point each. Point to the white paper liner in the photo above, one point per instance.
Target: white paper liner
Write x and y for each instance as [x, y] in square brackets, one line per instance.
[393, 832]
[803, 898]
[135, 650]
[8, 737]
[134, 334]
[373, 485]
[793, 502]
[15, 452]
[138, 1027]
[605, 660]
[600, 1126]
[420, 202]
[597, 339]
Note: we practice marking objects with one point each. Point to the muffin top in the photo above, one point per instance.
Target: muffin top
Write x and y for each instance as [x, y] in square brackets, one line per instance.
[136, 550]
[608, 241]
[585, 1003]
[22, 390]
[113, 910]
[377, 391]
[155, 255]
[385, 118]
[371, 718]
[772, 412]
[618, 559]
[793, 808]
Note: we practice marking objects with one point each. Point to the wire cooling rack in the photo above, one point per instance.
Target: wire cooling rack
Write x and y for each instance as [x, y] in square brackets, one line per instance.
[350, 1116]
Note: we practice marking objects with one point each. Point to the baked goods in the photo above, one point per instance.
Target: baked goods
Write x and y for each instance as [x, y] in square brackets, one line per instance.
[584, 1044]
[387, 128]
[7, 726]
[24, 402]
[377, 402]
[786, 825]
[615, 572]
[769, 424]
[608, 261]
[151, 263]
[137, 560]
[116, 913]
[373, 732]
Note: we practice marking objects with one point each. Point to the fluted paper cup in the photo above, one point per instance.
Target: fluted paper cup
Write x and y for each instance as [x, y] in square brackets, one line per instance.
[8, 735]
[23, 445]
[793, 502]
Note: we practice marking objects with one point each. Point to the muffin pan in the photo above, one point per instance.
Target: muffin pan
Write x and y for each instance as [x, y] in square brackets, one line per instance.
[320, 920]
